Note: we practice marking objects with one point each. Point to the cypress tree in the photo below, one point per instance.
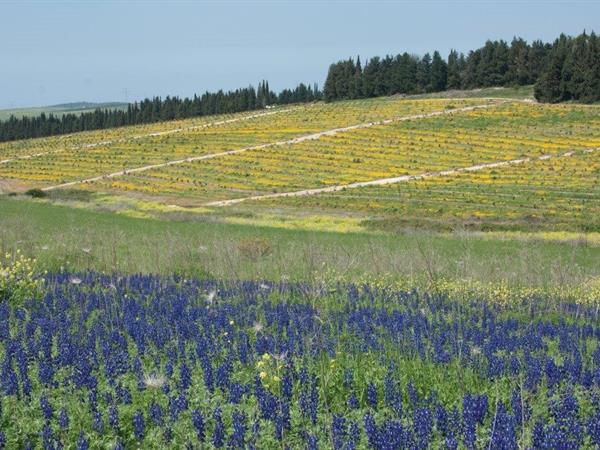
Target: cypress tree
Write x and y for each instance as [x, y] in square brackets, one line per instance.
[454, 71]
[439, 73]
[549, 86]
[358, 88]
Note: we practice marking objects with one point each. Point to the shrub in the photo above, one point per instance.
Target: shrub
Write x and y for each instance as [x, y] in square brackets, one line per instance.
[18, 280]
[253, 248]
[36, 193]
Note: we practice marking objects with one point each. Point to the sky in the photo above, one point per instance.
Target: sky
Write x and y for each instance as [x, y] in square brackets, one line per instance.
[66, 51]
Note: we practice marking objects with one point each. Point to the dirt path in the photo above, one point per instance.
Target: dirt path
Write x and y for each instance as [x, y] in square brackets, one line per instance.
[157, 133]
[394, 180]
[292, 141]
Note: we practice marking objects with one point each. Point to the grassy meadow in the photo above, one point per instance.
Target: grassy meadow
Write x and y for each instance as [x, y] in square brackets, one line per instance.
[75, 239]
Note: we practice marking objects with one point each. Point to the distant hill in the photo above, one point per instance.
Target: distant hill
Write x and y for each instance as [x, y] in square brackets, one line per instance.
[59, 110]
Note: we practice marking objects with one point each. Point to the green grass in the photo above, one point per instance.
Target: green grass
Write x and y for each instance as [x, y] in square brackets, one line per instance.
[76, 239]
[59, 110]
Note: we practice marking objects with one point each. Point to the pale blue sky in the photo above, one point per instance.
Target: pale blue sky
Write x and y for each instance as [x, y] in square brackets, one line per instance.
[63, 51]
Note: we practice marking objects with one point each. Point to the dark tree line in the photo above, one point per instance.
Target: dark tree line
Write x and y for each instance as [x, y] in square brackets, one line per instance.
[568, 69]
[572, 71]
[495, 64]
[155, 110]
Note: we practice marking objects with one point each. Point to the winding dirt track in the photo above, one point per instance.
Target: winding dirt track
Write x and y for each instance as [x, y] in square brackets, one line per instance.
[394, 180]
[297, 140]
[157, 133]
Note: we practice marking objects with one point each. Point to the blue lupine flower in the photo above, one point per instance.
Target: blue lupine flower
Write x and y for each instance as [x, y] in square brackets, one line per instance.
[156, 414]
[185, 376]
[82, 442]
[338, 431]
[77, 337]
[47, 438]
[237, 438]
[98, 423]
[353, 436]
[63, 418]
[371, 395]
[199, 425]
[450, 442]
[593, 428]
[503, 432]
[218, 437]
[138, 425]
[113, 417]
[312, 442]
[46, 408]
[423, 425]
[353, 402]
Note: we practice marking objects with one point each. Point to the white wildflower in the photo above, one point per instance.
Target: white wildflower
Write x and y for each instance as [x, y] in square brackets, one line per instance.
[211, 296]
[154, 381]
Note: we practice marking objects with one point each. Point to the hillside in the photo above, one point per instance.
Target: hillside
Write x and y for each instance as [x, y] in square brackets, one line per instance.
[499, 164]
[59, 110]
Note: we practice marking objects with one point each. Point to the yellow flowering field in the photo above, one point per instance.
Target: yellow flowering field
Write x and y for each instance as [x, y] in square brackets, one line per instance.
[557, 192]
[561, 193]
[13, 149]
[63, 159]
[502, 133]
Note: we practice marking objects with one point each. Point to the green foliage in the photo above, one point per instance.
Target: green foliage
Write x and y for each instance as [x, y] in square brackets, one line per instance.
[493, 65]
[36, 193]
[572, 71]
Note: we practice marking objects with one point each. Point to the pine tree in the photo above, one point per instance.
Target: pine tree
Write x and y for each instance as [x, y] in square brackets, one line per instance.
[454, 71]
[329, 90]
[358, 88]
[439, 73]
[424, 74]
[518, 64]
[549, 86]
[536, 59]
[590, 86]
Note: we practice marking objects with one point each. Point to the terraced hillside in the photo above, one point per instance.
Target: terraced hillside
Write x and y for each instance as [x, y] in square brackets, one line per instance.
[489, 163]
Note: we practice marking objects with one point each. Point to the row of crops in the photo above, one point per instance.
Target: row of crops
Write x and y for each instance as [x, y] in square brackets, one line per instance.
[555, 194]
[148, 362]
[27, 147]
[123, 152]
[501, 133]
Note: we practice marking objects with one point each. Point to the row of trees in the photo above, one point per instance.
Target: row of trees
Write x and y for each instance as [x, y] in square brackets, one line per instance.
[568, 69]
[155, 110]
[572, 71]
[495, 64]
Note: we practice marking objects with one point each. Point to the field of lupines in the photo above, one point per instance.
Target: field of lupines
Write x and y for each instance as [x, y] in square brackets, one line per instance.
[146, 362]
